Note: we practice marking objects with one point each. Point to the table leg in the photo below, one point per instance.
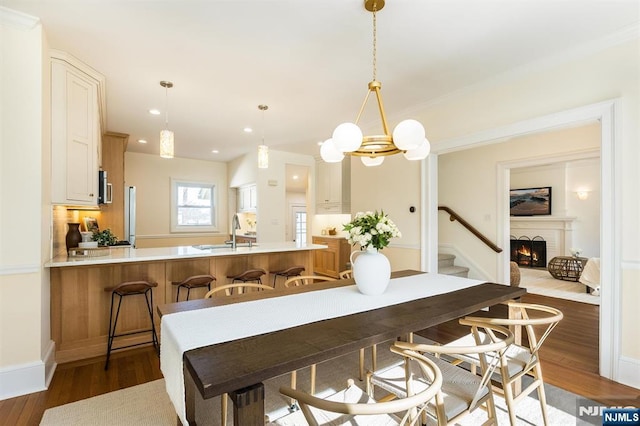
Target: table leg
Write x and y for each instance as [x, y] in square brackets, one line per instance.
[190, 393]
[248, 405]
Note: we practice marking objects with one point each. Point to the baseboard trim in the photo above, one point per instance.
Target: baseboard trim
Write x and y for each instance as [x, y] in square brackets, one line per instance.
[50, 363]
[28, 378]
[629, 372]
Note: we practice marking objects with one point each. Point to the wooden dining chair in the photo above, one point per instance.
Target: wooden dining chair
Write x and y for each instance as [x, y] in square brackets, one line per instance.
[241, 287]
[298, 281]
[306, 280]
[227, 290]
[524, 358]
[355, 407]
[462, 392]
[346, 274]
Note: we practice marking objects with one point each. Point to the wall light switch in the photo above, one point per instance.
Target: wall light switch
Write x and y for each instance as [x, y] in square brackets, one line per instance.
[272, 182]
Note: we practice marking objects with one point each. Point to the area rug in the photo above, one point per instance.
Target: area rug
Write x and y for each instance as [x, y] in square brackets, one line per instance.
[148, 404]
[540, 281]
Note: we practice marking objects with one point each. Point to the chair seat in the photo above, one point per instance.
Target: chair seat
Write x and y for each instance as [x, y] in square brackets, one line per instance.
[290, 272]
[131, 287]
[458, 385]
[517, 356]
[248, 275]
[353, 394]
[195, 281]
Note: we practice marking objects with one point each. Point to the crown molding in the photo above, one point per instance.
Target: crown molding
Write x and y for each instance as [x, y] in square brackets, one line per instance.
[17, 19]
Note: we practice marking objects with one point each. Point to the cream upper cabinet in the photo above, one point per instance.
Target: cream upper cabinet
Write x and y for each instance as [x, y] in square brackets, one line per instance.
[333, 187]
[247, 198]
[76, 113]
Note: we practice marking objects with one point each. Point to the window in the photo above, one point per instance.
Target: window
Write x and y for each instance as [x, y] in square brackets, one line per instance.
[301, 227]
[193, 206]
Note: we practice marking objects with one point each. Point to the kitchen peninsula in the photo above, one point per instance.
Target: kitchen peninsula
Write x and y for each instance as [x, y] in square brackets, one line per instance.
[80, 306]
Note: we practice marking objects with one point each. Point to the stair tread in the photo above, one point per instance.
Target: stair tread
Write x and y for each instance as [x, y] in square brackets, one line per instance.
[452, 270]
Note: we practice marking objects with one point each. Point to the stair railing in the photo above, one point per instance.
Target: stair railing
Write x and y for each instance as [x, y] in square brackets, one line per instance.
[453, 216]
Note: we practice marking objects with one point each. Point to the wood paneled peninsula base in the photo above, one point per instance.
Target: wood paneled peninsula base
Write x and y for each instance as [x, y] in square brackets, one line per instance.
[80, 306]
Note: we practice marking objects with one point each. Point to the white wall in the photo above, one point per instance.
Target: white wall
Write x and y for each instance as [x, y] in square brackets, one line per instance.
[583, 175]
[25, 347]
[151, 175]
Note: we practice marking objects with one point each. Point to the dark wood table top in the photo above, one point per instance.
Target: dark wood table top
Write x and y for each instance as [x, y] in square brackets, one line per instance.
[229, 366]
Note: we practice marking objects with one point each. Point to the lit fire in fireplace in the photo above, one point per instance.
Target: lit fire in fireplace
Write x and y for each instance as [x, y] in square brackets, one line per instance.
[529, 252]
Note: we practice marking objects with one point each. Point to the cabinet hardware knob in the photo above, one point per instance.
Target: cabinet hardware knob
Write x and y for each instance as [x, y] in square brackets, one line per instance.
[90, 195]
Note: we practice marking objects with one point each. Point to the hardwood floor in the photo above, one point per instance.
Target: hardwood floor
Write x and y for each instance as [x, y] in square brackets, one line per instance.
[569, 360]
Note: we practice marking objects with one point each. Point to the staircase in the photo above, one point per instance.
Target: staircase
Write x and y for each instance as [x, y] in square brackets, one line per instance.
[446, 266]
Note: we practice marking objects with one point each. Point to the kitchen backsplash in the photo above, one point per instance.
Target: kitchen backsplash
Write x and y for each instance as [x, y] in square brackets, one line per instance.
[324, 222]
[62, 216]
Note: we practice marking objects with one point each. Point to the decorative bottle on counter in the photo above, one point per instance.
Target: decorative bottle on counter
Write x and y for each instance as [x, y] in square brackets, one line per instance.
[73, 237]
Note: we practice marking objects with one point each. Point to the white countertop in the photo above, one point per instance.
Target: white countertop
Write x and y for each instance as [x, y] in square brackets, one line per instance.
[125, 255]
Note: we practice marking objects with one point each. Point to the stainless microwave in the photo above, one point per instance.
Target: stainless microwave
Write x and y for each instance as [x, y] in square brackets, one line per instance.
[105, 190]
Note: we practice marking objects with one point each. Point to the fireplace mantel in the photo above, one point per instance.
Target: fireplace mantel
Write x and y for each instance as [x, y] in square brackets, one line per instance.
[556, 230]
[543, 218]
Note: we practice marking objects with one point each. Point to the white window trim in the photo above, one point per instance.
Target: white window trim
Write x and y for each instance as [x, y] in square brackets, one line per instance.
[174, 207]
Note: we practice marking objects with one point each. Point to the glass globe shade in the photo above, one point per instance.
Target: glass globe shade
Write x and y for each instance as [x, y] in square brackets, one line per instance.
[372, 161]
[419, 153]
[408, 135]
[329, 152]
[347, 137]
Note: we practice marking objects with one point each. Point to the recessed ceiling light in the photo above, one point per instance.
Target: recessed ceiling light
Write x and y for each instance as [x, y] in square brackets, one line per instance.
[215, 151]
[142, 141]
[295, 177]
[154, 112]
[248, 130]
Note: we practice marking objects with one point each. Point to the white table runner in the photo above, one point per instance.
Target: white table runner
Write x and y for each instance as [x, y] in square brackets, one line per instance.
[184, 331]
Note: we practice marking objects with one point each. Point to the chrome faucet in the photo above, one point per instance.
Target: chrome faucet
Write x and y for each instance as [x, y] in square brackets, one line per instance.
[235, 224]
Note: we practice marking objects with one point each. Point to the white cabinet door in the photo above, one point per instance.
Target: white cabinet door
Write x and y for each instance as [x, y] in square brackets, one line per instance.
[75, 135]
[333, 181]
[247, 198]
[253, 197]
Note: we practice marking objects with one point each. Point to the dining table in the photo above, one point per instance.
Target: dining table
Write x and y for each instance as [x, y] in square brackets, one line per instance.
[231, 345]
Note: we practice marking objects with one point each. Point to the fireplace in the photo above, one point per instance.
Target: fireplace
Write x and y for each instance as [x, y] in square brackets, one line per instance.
[530, 252]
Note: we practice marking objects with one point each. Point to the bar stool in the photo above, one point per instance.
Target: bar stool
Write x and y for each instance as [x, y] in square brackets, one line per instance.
[293, 271]
[250, 275]
[130, 288]
[194, 281]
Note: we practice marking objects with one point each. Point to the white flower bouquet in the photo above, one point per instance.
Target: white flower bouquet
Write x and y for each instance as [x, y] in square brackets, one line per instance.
[371, 229]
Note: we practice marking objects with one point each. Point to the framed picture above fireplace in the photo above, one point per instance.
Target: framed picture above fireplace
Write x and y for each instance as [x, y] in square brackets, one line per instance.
[530, 201]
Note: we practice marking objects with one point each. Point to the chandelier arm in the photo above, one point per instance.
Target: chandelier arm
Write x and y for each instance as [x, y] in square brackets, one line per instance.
[385, 126]
[366, 98]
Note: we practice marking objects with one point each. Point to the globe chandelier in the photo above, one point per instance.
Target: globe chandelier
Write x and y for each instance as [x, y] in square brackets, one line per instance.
[408, 136]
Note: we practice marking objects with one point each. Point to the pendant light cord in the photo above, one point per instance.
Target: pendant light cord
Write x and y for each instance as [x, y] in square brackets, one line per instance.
[166, 107]
[374, 42]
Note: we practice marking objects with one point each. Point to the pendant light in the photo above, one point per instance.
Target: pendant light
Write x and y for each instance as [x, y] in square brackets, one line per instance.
[263, 150]
[408, 136]
[166, 135]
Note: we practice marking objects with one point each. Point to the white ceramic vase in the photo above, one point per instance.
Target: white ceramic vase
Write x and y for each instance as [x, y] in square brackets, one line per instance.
[371, 271]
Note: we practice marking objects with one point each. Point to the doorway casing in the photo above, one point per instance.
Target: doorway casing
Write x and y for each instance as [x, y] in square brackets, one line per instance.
[610, 207]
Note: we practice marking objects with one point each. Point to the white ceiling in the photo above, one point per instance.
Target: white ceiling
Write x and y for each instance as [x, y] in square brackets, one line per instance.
[309, 61]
